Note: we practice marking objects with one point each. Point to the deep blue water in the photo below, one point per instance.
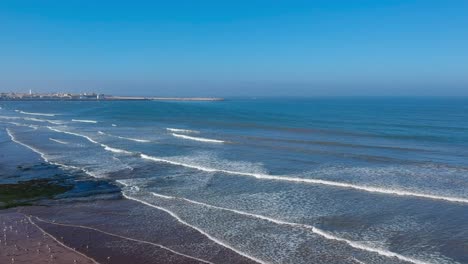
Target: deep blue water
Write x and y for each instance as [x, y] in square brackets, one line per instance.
[377, 180]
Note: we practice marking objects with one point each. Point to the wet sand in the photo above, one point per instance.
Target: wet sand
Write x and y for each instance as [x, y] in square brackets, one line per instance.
[115, 231]
[22, 241]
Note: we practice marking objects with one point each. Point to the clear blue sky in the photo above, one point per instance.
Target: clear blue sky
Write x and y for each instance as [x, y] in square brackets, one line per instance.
[347, 47]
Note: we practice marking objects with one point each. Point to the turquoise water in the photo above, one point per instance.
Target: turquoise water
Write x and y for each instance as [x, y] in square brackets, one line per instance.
[281, 180]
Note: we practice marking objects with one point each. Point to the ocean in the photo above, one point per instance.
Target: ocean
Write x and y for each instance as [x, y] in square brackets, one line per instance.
[276, 180]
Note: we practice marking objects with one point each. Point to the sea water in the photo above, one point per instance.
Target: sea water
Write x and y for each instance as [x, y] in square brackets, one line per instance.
[278, 180]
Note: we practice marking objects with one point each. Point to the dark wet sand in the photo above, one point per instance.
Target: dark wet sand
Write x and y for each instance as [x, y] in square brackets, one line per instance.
[24, 242]
[115, 231]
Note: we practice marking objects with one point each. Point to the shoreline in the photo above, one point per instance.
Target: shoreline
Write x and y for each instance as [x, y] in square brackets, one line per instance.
[105, 231]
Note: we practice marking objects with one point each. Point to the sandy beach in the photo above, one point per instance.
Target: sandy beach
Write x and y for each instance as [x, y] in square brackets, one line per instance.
[23, 241]
[104, 232]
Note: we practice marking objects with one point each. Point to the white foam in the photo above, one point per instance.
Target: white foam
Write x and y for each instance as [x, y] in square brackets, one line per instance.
[312, 181]
[43, 120]
[116, 150]
[74, 134]
[37, 114]
[23, 125]
[327, 235]
[114, 125]
[106, 147]
[58, 141]
[127, 238]
[195, 228]
[187, 131]
[54, 122]
[43, 155]
[126, 138]
[34, 119]
[60, 243]
[10, 117]
[198, 138]
[287, 178]
[84, 121]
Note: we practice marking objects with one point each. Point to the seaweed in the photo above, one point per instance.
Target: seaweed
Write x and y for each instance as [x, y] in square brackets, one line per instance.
[27, 192]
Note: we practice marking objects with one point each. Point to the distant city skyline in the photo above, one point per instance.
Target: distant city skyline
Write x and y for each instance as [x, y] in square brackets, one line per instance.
[239, 48]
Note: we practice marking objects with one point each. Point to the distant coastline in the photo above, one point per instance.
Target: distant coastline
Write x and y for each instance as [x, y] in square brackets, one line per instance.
[95, 97]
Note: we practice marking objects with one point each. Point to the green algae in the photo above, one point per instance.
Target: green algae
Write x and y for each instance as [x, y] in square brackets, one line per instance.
[27, 192]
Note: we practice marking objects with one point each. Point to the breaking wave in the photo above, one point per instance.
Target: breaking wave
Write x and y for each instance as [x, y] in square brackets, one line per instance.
[126, 138]
[58, 141]
[264, 176]
[31, 113]
[106, 147]
[313, 229]
[311, 181]
[188, 131]
[198, 138]
[180, 220]
[84, 121]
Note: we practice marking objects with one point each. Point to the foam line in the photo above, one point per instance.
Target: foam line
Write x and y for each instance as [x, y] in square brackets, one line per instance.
[58, 141]
[198, 138]
[54, 122]
[10, 117]
[106, 147]
[126, 238]
[116, 150]
[60, 243]
[196, 228]
[357, 260]
[84, 121]
[126, 138]
[31, 113]
[34, 119]
[23, 125]
[314, 230]
[313, 181]
[288, 179]
[178, 130]
[43, 156]
[74, 134]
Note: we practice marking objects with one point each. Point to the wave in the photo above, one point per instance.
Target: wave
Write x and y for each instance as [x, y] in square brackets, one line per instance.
[180, 220]
[58, 141]
[198, 138]
[43, 120]
[10, 117]
[262, 176]
[31, 113]
[116, 150]
[58, 242]
[20, 124]
[126, 138]
[126, 238]
[188, 131]
[85, 121]
[31, 119]
[312, 181]
[43, 155]
[114, 125]
[320, 232]
[106, 147]
[54, 122]
[74, 134]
